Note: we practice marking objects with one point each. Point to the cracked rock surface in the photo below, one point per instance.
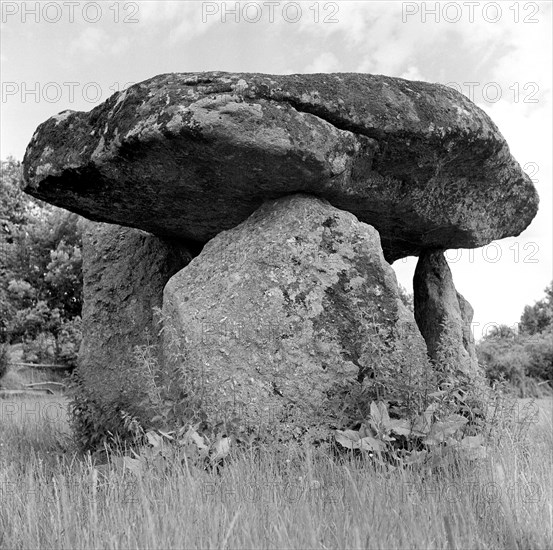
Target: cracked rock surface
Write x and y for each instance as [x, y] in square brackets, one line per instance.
[190, 155]
[282, 318]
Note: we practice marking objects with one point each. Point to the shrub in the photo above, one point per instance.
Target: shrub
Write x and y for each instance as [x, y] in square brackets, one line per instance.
[522, 360]
[57, 345]
[540, 350]
[96, 424]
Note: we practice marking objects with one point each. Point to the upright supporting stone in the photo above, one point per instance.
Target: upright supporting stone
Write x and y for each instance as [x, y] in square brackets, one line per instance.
[124, 273]
[467, 314]
[283, 318]
[443, 315]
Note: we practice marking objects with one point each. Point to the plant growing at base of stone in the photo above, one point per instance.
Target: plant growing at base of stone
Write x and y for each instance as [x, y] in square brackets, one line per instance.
[427, 439]
[402, 376]
[417, 411]
[171, 398]
[94, 425]
[98, 424]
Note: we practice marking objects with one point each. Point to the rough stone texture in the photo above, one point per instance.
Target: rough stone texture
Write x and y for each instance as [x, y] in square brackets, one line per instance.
[189, 155]
[124, 272]
[280, 315]
[467, 314]
[443, 315]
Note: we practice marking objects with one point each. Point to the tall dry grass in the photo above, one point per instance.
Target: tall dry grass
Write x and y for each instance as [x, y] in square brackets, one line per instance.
[51, 497]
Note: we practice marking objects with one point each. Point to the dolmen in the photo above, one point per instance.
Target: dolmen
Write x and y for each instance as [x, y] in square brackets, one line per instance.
[242, 229]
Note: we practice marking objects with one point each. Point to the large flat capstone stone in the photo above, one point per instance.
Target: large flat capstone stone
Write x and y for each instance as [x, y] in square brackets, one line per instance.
[190, 155]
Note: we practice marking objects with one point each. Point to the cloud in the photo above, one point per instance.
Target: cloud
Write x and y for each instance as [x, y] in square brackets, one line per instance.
[120, 45]
[413, 73]
[176, 21]
[326, 62]
[90, 41]
[95, 41]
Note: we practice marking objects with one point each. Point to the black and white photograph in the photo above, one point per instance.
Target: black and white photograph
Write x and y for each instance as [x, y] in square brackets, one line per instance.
[276, 275]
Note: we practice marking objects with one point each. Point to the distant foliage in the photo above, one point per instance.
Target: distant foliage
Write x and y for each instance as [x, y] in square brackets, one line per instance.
[523, 358]
[40, 273]
[407, 298]
[538, 318]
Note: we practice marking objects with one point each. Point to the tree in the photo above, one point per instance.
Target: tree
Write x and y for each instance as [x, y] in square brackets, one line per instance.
[535, 319]
[40, 268]
[500, 331]
[526, 355]
[14, 204]
[406, 298]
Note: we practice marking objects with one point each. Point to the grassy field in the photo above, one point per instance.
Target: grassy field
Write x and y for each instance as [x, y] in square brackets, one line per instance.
[51, 497]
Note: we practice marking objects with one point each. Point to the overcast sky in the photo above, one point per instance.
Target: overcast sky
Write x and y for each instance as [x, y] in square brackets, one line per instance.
[74, 55]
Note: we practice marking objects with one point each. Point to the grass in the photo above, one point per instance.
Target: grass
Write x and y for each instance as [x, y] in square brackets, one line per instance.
[52, 497]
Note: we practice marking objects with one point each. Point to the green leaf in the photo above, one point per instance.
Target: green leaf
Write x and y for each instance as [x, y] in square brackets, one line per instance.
[365, 430]
[220, 449]
[429, 412]
[198, 440]
[375, 413]
[351, 440]
[441, 431]
[400, 426]
[347, 438]
[472, 441]
[167, 435]
[383, 408]
[154, 439]
[422, 425]
[371, 444]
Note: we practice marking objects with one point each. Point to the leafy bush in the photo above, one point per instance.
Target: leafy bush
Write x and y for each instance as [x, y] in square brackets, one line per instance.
[504, 358]
[68, 341]
[150, 405]
[431, 437]
[97, 424]
[524, 361]
[41, 272]
[540, 350]
[539, 317]
[407, 298]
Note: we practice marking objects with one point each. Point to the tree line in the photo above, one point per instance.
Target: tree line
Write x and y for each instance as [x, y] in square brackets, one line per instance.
[40, 274]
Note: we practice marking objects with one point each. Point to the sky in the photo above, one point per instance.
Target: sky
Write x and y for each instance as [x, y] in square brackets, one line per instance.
[61, 55]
